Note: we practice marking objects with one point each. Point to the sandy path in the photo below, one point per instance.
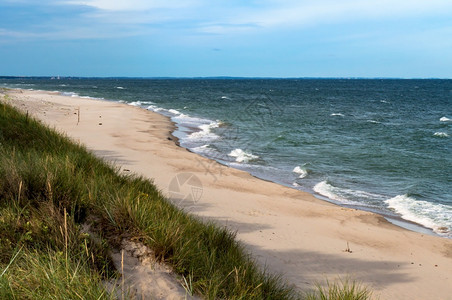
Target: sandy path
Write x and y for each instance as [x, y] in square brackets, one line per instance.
[291, 232]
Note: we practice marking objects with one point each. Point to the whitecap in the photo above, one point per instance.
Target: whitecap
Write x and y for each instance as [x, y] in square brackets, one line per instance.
[92, 98]
[337, 114]
[174, 111]
[431, 215]
[120, 88]
[299, 170]
[70, 94]
[325, 189]
[206, 132]
[201, 149]
[345, 195]
[140, 103]
[445, 119]
[242, 156]
[155, 108]
[441, 134]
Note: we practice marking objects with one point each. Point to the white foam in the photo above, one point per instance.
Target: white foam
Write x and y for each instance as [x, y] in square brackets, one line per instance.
[345, 195]
[441, 134]
[120, 88]
[174, 111]
[71, 94]
[202, 149]
[155, 108]
[325, 189]
[432, 215]
[373, 121]
[140, 103]
[337, 114]
[93, 98]
[302, 172]
[205, 133]
[445, 119]
[242, 156]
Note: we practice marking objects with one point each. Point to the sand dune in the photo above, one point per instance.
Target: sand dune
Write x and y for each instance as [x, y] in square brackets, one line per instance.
[291, 232]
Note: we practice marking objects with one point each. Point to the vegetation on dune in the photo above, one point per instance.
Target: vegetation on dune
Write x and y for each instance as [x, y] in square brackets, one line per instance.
[50, 187]
[343, 289]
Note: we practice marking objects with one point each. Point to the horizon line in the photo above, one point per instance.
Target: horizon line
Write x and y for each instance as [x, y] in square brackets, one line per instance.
[57, 77]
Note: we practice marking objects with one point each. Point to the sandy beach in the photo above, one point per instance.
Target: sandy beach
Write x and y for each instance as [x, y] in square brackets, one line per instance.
[292, 233]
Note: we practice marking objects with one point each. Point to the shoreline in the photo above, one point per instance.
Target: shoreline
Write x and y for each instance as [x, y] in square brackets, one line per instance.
[297, 230]
[394, 219]
[180, 130]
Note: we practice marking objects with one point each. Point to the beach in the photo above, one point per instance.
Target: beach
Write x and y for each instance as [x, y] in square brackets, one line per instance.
[291, 232]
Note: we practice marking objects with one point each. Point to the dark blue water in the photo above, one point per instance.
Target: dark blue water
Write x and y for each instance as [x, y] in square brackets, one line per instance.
[381, 145]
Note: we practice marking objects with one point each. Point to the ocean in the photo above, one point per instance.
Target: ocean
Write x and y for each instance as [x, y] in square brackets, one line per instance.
[381, 145]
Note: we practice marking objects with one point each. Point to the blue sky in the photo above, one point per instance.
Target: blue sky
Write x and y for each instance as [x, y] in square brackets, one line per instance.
[267, 38]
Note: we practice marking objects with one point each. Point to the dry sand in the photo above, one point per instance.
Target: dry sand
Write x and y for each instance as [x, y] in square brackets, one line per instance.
[290, 232]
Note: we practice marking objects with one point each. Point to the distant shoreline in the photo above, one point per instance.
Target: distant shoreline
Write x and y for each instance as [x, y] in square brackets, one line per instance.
[221, 78]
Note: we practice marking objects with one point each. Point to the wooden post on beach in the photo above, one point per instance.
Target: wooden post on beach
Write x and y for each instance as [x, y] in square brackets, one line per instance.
[78, 115]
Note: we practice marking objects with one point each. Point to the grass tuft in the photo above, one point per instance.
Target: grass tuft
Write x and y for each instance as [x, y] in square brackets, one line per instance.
[343, 289]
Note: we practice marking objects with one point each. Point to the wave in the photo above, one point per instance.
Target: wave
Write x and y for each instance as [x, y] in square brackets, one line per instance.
[337, 115]
[299, 170]
[325, 189]
[242, 156]
[431, 215]
[94, 98]
[346, 196]
[206, 132]
[75, 95]
[174, 111]
[445, 119]
[140, 103]
[120, 88]
[70, 94]
[441, 134]
[155, 108]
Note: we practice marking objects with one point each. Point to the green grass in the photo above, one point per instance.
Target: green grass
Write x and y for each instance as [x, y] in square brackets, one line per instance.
[50, 186]
[341, 290]
[43, 174]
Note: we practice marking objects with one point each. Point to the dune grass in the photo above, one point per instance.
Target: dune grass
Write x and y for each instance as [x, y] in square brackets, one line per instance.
[342, 289]
[50, 186]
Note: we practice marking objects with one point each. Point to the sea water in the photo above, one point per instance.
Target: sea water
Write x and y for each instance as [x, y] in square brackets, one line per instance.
[382, 145]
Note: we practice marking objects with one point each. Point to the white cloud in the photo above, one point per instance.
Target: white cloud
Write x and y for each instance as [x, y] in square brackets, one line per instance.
[228, 17]
[295, 14]
[133, 5]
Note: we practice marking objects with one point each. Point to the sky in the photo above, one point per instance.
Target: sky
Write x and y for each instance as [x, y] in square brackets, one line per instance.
[201, 38]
